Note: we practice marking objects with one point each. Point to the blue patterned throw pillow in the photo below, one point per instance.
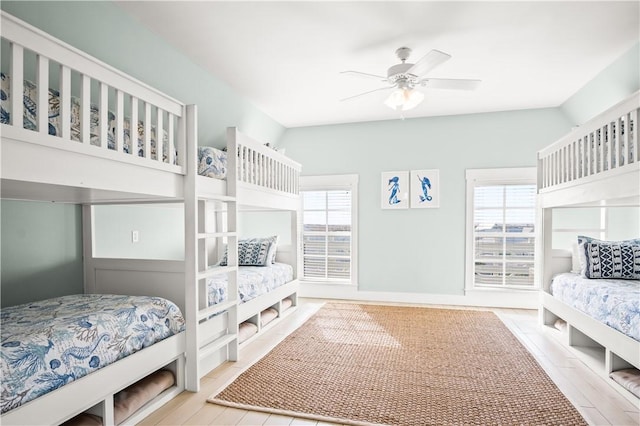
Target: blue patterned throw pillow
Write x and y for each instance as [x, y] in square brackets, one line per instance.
[212, 162]
[615, 259]
[252, 252]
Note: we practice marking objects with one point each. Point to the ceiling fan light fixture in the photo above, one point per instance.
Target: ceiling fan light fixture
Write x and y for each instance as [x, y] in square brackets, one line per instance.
[404, 99]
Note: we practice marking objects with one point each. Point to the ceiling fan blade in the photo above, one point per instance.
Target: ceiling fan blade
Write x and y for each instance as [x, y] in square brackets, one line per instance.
[450, 83]
[366, 93]
[428, 62]
[364, 74]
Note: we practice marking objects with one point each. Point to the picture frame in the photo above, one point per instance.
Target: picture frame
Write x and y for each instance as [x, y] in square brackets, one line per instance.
[394, 190]
[425, 188]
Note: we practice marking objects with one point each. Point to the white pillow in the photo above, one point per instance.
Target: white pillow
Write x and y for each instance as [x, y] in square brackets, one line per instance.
[575, 259]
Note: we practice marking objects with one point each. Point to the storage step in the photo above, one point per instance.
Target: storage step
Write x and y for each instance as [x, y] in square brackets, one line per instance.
[218, 270]
[216, 309]
[205, 235]
[212, 347]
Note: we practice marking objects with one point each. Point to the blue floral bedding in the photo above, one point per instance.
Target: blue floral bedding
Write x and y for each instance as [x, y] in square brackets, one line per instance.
[50, 343]
[615, 303]
[253, 281]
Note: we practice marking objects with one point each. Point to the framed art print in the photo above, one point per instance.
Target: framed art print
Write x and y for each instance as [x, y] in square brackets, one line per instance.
[394, 190]
[425, 188]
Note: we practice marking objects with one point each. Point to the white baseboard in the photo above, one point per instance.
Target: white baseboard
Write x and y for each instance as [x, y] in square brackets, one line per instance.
[481, 298]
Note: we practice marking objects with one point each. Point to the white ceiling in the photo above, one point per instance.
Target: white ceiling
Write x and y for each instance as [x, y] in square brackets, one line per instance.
[286, 57]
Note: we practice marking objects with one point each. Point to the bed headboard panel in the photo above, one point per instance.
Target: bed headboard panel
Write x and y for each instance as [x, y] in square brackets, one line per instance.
[136, 277]
[560, 262]
[287, 254]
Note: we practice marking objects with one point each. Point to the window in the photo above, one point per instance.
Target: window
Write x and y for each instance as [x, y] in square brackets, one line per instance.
[329, 212]
[501, 215]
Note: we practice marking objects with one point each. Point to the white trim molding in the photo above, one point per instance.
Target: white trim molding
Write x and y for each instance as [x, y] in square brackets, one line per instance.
[494, 298]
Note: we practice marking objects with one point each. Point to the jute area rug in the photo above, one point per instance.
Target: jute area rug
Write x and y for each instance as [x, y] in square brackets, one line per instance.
[368, 364]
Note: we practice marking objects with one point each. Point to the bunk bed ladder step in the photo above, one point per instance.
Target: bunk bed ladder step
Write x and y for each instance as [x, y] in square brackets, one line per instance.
[206, 235]
[216, 309]
[223, 198]
[210, 348]
[216, 271]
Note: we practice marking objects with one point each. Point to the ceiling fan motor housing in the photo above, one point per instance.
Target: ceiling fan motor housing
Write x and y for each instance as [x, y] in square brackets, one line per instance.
[399, 72]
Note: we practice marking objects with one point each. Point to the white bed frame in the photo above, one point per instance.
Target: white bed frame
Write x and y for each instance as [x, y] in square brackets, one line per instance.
[586, 168]
[37, 166]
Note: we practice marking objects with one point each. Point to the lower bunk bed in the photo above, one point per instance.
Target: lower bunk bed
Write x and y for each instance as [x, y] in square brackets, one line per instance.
[600, 321]
[109, 358]
[265, 293]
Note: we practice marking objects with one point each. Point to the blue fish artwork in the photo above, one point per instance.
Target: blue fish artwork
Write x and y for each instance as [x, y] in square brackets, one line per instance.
[426, 186]
[394, 188]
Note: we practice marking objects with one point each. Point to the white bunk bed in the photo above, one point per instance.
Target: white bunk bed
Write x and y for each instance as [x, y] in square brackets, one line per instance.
[595, 165]
[90, 160]
[78, 165]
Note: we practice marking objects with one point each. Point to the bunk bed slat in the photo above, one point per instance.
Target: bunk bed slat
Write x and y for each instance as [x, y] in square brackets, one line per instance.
[610, 146]
[42, 78]
[171, 131]
[159, 135]
[65, 102]
[600, 142]
[633, 117]
[147, 130]
[85, 109]
[120, 122]
[104, 116]
[17, 85]
[133, 126]
[626, 139]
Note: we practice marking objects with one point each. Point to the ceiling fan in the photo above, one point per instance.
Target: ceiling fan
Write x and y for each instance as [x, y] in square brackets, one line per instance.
[404, 78]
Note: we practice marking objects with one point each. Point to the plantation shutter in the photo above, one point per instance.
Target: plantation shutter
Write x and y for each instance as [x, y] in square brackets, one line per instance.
[504, 235]
[327, 235]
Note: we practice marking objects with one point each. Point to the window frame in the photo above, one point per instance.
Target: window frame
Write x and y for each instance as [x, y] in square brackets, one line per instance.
[328, 183]
[498, 177]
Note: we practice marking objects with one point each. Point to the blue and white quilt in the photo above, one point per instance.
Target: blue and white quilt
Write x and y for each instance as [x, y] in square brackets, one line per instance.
[50, 343]
[253, 281]
[615, 303]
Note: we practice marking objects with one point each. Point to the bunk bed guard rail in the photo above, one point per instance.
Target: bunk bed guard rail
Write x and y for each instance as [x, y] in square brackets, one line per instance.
[94, 109]
[255, 166]
[607, 144]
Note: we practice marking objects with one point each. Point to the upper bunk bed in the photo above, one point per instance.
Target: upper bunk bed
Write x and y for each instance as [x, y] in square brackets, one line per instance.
[82, 150]
[596, 163]
[592, 297]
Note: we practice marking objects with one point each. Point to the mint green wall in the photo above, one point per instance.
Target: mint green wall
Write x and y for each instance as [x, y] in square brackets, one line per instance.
[41, 251]
[160, 231]
[420, 250]
[609, 87]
